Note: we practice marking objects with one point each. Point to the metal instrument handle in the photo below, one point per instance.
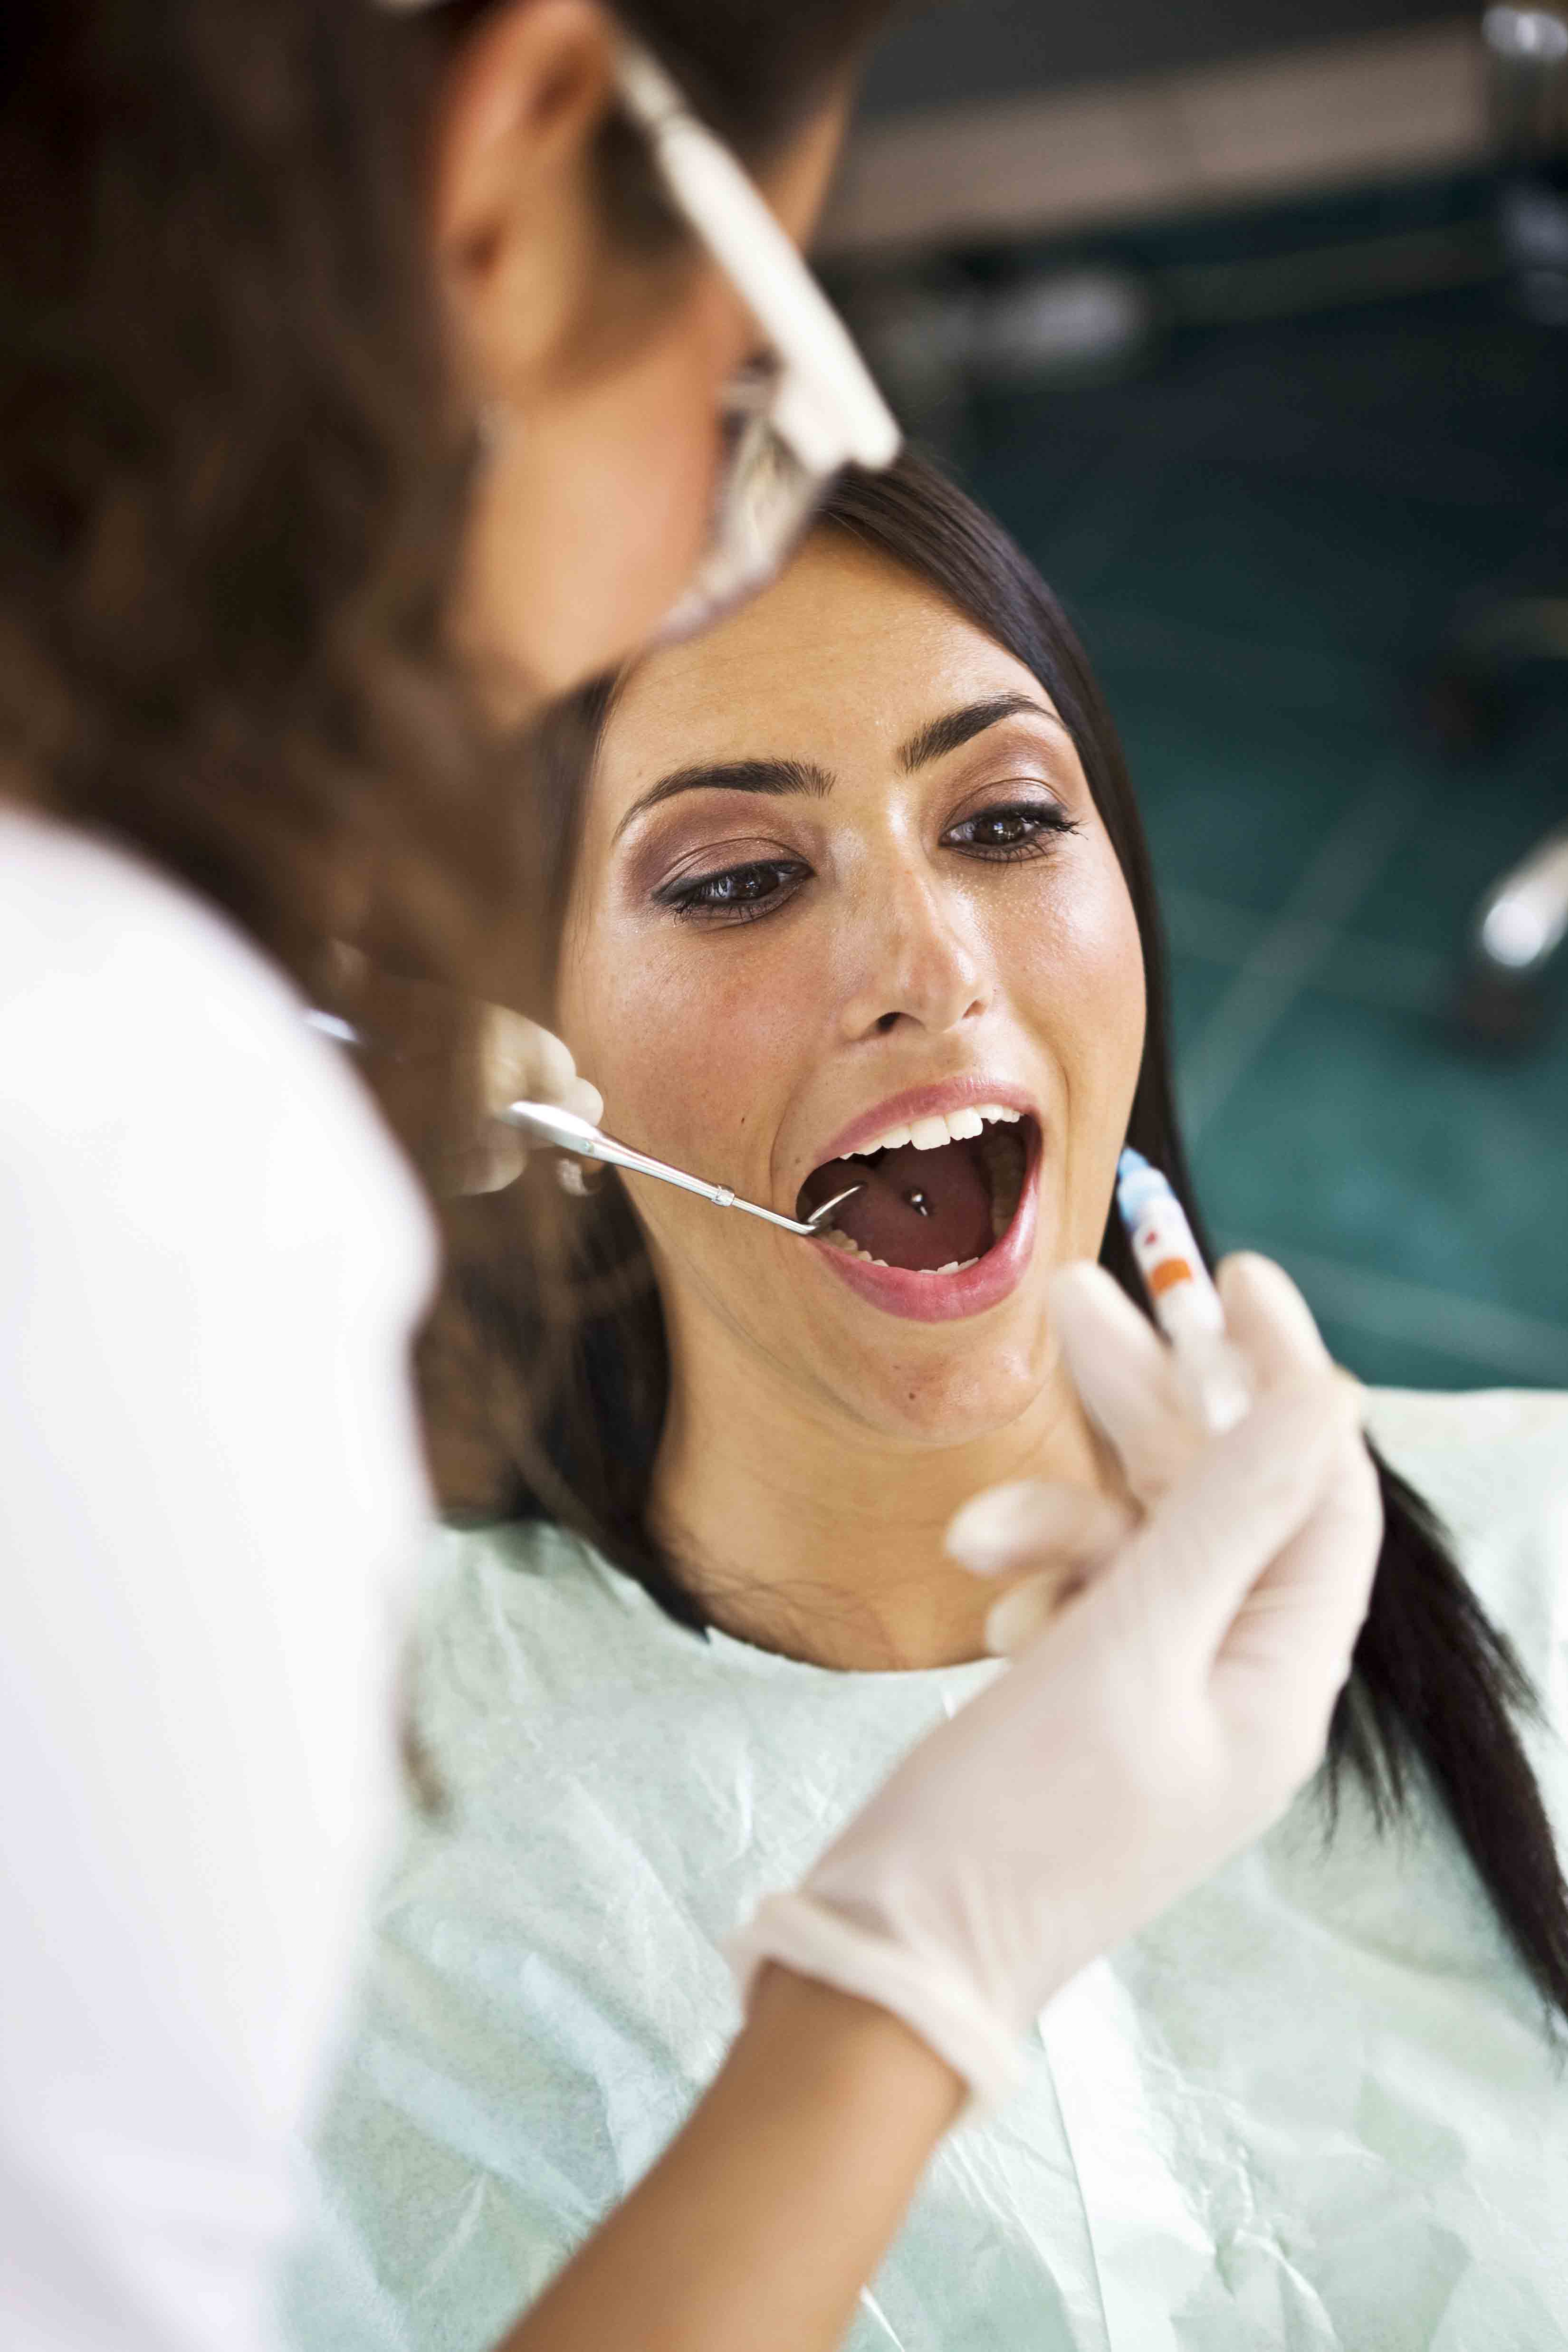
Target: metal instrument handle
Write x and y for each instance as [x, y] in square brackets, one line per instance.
[565, 1131]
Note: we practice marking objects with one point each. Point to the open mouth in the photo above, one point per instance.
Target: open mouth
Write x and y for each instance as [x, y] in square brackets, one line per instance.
[935, 1197]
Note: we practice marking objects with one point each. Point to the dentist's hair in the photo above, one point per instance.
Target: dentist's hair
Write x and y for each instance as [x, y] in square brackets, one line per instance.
[1435, 1688]
[231, 483]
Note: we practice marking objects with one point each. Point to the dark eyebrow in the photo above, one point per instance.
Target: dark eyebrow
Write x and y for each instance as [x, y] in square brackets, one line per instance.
[779, 776]
[959, 727]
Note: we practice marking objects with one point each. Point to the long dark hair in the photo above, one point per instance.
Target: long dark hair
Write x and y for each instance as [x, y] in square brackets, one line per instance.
[231, 476]
[1434, 1686]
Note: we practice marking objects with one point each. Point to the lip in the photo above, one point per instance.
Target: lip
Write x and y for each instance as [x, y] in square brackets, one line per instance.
[942, 1297]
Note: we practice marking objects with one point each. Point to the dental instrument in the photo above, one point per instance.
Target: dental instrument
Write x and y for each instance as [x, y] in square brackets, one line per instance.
[563, 1131]
[1185, 1304]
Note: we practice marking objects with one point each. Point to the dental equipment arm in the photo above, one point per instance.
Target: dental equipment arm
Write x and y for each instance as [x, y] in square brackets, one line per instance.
[564, 1130]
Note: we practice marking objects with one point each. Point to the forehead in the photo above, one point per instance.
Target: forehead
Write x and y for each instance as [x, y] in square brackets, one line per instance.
[840, 661]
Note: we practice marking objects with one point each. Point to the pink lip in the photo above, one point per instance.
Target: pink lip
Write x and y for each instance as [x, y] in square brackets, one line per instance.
[943, 1297]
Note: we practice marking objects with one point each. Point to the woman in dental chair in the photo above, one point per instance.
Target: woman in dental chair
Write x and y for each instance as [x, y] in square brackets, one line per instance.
[855, 890]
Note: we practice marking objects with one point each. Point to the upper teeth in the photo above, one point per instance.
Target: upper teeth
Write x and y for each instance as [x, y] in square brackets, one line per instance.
[942, 1127]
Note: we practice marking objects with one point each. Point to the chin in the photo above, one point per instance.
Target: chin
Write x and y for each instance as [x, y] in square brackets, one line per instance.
[965, 1382]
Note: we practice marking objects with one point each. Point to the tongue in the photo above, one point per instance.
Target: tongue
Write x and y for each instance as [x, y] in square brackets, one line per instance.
[919, 1210]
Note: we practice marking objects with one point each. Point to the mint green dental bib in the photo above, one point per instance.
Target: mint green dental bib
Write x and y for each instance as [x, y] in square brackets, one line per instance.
[1314, 2107]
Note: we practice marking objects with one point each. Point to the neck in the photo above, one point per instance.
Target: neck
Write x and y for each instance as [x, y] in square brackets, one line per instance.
[809, 1533]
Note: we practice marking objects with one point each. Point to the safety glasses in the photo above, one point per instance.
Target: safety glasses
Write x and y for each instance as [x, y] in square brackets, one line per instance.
[791, 421]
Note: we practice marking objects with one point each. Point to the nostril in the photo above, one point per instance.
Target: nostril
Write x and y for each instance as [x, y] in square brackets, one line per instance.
[888, 1020]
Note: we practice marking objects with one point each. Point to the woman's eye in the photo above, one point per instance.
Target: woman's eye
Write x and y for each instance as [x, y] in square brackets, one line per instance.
[737, 894]
[1026, 830]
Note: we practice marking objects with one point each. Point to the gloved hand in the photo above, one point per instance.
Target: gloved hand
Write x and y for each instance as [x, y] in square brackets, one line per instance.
[1127, 1378]
[1164, 1718]
[520, 1062]
[502, 1057]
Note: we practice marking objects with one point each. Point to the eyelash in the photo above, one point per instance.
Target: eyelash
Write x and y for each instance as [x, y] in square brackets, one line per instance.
[685, 902]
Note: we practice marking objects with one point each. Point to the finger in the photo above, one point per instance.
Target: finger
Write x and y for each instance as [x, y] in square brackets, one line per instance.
[1293, 1637]
[1123, 1371]
[542, 1061]
[1186, 1574]
[1024, 1610]
[1269, 1321]
[1027, 1607]
[500, 1159]
[519, 1060]
[585, 1099]
[495, 1163]
[1034, 1520]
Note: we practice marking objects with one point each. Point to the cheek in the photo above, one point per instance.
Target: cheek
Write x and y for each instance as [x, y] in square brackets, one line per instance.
[1081, 989]
[694, 1040]
[659, 484]
[548, 584]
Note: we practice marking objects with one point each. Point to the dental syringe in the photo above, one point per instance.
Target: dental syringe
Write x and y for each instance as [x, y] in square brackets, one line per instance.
[1187, 1305]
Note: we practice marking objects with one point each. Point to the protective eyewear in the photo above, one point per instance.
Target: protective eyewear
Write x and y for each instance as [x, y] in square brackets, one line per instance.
[791, 421]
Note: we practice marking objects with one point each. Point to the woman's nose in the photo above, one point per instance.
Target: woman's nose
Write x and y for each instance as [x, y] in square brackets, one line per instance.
[918, 962]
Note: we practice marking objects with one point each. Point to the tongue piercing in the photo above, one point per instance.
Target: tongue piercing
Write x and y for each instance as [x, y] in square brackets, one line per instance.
[918, 1203]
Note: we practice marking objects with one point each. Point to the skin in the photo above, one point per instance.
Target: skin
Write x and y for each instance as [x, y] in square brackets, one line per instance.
[816, 1445]
[810, 2144]
[598, 372]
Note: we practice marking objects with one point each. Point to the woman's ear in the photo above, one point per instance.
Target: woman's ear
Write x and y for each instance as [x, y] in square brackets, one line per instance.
[512, 194]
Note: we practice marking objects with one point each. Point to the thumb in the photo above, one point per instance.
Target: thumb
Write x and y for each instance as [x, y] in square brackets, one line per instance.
[519, 1060]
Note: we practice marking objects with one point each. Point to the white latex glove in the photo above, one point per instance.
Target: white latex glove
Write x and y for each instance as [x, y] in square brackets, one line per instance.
[1126, 1376]
[521, 1062]
[1165, 1717]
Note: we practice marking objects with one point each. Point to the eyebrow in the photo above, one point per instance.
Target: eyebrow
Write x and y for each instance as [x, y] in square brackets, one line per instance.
[779, 777]
[956, 728]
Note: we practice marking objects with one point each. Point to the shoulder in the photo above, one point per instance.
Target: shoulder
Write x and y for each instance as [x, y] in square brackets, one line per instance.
[155, 1072]
[1470, 1439]
[517, 1620]
[80, 910]
[1493, 1463]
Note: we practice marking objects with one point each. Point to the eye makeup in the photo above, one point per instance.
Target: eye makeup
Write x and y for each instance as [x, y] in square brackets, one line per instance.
[1009, 831]
[733, 893]
[1003, 822]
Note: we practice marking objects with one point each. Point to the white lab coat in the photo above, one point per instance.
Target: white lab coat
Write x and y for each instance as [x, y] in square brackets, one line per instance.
[211, 1262]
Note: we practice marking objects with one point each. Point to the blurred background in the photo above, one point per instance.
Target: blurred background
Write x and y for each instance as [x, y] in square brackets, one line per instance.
[1250, 319]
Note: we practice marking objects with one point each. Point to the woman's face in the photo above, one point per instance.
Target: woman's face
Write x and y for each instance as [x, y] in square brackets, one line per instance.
[843, 886]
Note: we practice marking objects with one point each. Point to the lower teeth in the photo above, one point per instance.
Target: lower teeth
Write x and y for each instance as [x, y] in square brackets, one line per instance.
[841, 1241]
